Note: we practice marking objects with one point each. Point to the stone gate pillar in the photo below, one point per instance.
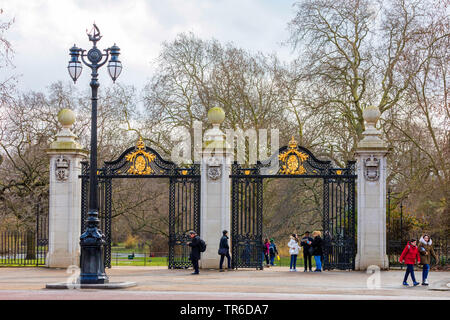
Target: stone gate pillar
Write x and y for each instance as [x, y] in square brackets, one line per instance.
[215, 189]
[371, 193]
[65, 195]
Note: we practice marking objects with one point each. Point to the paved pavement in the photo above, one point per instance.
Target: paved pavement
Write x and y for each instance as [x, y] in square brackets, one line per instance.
[159, 283]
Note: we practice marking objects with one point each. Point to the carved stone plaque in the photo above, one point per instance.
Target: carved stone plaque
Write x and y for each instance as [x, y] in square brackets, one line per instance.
[214, 168]
[371, 168]
[62, 165]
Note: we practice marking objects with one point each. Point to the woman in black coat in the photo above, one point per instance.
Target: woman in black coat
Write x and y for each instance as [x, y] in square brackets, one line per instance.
[317, 245]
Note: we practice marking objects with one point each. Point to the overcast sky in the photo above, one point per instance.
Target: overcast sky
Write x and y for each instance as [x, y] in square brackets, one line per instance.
[44, 30]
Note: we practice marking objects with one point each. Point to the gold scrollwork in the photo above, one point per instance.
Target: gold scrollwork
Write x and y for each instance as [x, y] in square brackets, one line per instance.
[292, 159]
[140, 159]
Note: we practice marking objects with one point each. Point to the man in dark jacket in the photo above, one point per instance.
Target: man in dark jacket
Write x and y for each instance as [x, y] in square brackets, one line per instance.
[224, 250]
[195, 250]
[306, 244]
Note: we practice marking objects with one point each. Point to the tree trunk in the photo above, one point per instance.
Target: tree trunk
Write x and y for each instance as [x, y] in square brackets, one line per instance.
[31, 245]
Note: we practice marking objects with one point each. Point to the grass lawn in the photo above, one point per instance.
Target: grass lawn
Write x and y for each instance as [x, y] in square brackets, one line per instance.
[162, 261]
[122, 260]
[138, 261]
[27, 264]
[285, 261]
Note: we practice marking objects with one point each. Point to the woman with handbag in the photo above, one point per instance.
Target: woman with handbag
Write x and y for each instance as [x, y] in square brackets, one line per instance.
[426, 251]
[224, 250]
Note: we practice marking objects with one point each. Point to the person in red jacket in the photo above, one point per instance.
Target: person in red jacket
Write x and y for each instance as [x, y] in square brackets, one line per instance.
[409, 256]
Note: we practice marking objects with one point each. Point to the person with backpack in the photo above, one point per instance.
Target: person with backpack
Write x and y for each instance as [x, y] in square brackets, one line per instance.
[409, 256]
[306, 245]
[273, 251]
[426, 251]
[294, 248]
[197, 245]
[224, 250]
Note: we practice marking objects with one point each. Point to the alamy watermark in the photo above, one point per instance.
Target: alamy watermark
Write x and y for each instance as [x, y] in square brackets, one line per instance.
[374, 280]
[251, 145]
[73, 281]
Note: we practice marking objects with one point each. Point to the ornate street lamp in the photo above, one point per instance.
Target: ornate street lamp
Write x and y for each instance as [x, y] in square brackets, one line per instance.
[92, 240]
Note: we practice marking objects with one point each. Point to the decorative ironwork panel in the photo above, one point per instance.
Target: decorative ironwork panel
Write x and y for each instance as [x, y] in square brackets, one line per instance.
[104, 207]
[339, 220]
[142, 160]
[246, 221]
[84, 194]
[184, 197]
[295, 160]
[184, 215]
[105, 215]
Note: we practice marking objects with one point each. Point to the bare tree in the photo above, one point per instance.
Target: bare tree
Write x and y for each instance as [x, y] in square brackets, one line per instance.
[356, 53]
[7, 81]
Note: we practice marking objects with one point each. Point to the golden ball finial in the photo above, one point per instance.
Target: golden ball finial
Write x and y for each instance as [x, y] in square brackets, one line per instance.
[371, 114]
[216, 115]
[66, 117]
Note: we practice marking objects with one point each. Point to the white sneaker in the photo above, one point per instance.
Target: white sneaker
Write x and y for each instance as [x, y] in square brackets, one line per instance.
[291, 269]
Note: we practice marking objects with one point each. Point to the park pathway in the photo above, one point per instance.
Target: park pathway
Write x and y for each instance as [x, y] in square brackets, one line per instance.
[274, 283]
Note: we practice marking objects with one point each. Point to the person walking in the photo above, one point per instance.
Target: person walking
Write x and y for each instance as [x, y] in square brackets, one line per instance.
[273, 251]
[266, 250]
[195, 250]
[263, 249]
[306, 245]
[293, 251]
[409, 256]
[317, 245]
[425, 250]
[224, 250]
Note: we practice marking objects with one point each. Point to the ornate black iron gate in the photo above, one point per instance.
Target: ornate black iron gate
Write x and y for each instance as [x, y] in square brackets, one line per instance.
[293, 161]
[184, 197]
[339, 218]
[246, 218]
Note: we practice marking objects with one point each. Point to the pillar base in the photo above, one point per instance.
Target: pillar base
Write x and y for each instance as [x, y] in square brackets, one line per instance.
[62, 259]
[211, 263]
[109, 285]
[362, 263]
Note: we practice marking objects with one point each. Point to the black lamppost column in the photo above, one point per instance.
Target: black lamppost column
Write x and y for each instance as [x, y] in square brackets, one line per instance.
[92, 240]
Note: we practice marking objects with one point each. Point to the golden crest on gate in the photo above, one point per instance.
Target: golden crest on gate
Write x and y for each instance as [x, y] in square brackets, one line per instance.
[292, 159]
[140, 159]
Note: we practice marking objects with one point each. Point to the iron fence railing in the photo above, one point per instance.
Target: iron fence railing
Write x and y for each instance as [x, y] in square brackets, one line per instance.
[398, 234]
[25, 248]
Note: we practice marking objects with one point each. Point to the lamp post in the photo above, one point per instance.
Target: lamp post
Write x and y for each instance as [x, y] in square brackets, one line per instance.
[92, 240]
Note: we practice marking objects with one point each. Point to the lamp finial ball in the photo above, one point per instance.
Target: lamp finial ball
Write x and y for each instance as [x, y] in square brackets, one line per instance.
[371, 114]
[66, 117]
[216, 115]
